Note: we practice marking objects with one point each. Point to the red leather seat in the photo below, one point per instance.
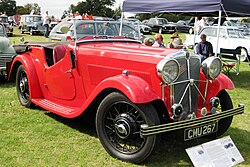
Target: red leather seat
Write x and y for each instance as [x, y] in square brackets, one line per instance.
[59, 52]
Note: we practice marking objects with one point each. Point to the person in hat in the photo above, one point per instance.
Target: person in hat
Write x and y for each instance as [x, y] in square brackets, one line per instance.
[176, 42]
[148, 41]
[159, 41]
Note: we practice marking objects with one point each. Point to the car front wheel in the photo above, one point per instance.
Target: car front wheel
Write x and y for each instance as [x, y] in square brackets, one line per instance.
[118, 123]
[22, 87]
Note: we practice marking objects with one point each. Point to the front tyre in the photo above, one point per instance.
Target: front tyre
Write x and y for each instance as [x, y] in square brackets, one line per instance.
[118, 123]
[22, 87]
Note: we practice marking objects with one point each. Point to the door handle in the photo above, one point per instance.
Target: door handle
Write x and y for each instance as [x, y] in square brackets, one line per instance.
[68, 71]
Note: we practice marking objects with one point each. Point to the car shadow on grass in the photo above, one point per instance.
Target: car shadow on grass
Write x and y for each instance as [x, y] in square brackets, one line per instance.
[6, 84]
[171, 148]
[84, 123]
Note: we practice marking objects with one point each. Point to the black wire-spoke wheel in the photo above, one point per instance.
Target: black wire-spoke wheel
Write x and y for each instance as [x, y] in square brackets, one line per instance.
[225, 104]
[118, 122]
[22, 87]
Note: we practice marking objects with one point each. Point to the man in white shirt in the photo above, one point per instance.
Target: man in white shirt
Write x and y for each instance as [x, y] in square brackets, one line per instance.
[46, 22]
[159, 41]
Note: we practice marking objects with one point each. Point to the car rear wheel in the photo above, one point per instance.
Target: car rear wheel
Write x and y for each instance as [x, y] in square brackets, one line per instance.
[243, 54]
[118, 123]
[160, 30]
[31, 32]
[22, 87]
[191, 31]
[225, 104]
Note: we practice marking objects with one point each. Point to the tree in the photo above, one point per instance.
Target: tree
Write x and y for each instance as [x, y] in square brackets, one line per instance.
[94, 7]
[27, 8]
[117, 12]
[8, 6]
[20, 10]
[33, 6]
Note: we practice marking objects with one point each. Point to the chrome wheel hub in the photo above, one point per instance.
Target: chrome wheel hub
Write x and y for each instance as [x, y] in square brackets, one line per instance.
[22, 85]
[124, 126]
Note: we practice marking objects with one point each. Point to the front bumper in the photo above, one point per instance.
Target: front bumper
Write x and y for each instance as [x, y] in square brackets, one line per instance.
[157, 129]
[6, 57]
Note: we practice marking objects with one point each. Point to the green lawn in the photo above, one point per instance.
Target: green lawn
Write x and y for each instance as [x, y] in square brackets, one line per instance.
[38, 138]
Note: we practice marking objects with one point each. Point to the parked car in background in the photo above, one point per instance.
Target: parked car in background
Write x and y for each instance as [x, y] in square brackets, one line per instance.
[229, 38]
[92, 28]
[32, 24]
[7, 51]
[134, 92]
[8, 26]
[161, 25]
[184, 26]
[244, 28]
[143, 27]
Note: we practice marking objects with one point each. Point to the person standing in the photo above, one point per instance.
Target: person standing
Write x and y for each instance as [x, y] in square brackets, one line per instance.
[204, 49]
[77, 16]
[46, 22]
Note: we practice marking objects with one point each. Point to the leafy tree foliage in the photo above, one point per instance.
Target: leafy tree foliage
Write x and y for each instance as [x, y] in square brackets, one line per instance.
[27, 8]
[20, 10]
[8, 7]
[94, 7]
[117, 12]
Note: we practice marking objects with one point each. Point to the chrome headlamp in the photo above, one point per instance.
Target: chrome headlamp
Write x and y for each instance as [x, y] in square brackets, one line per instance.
[168, 70]
[212, 67]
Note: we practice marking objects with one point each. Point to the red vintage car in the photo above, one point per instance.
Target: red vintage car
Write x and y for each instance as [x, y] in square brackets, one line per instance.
[137, 92]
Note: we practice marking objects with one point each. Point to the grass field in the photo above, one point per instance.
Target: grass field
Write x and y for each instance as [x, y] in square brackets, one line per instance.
[38, 138]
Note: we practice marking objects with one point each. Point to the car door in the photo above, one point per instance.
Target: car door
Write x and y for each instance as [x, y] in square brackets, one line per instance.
[211, 34]
[223, 40]
[59, 79]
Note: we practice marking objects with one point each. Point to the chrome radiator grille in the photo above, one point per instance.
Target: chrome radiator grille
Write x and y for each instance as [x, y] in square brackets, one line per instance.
[184, 91]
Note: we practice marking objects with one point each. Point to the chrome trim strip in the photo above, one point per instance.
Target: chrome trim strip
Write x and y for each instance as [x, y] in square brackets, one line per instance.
[162, 91]
[205, 93]
[189, 90]
[156, 129]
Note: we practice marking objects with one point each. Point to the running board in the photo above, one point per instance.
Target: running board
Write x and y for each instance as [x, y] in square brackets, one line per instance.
[65, 111]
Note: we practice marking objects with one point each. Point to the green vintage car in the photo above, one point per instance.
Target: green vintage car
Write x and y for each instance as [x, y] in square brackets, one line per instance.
[7, 51]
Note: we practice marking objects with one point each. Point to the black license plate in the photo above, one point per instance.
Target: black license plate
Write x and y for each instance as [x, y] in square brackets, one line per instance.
[202, 130]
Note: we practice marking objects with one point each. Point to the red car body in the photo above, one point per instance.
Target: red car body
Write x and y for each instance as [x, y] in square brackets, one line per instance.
[89, 71]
